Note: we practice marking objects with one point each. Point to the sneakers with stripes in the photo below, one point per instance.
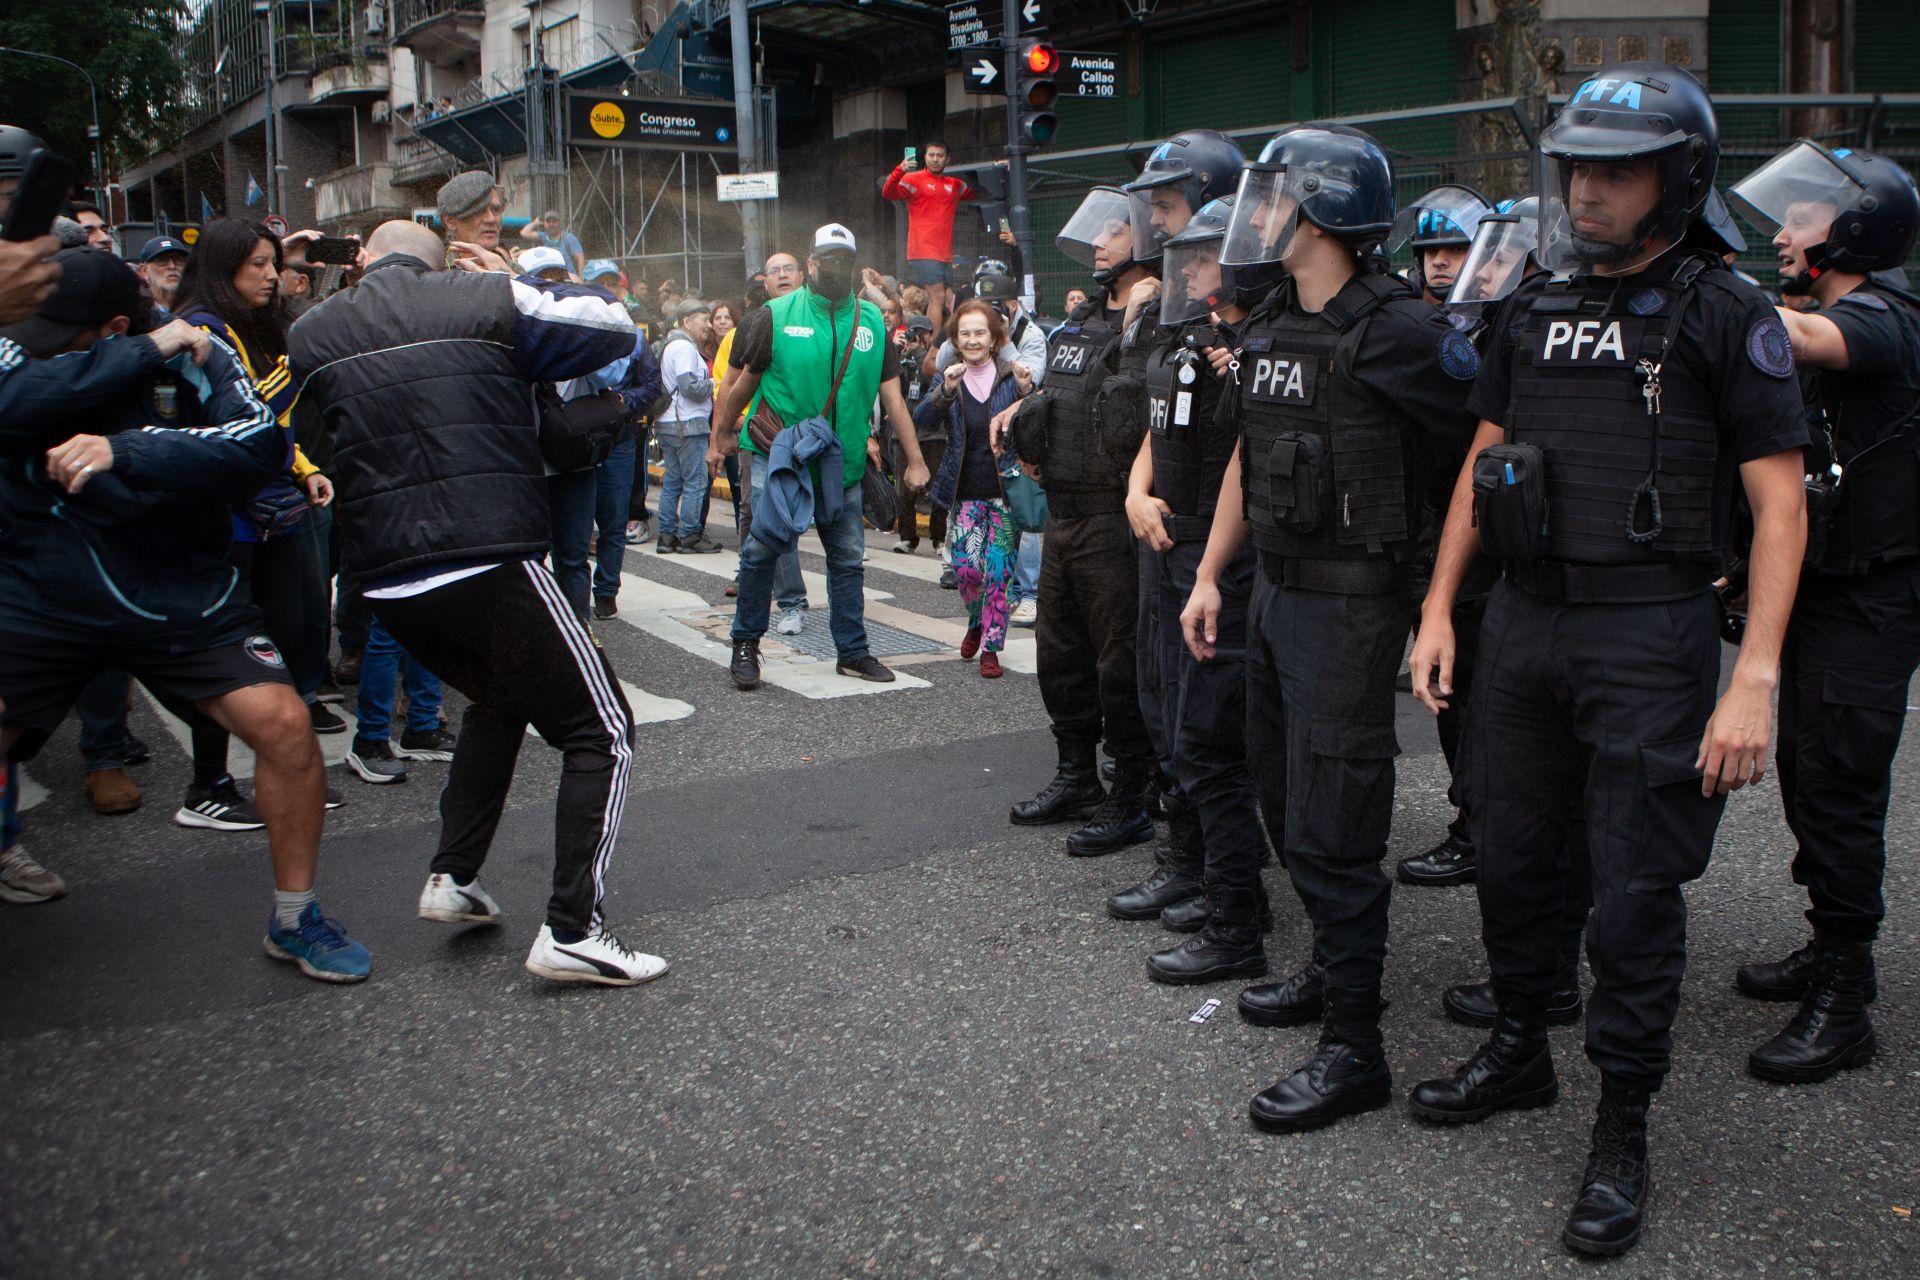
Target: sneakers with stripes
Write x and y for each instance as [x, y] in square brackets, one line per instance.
[598, 957]
[449, 903]
[375, 761]
[427, 744]
[219, 807]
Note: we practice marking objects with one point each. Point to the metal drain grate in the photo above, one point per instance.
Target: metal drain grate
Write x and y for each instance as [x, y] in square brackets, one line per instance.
[883, 641]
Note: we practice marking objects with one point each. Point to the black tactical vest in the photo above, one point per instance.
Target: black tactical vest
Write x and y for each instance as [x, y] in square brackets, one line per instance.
[1082, 472]
[1629, 474]
[1326, 468]
[1191, 447]
[1876, 517]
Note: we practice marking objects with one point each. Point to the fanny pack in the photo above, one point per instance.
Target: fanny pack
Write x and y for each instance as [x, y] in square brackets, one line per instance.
[577, 435]
[275, 512]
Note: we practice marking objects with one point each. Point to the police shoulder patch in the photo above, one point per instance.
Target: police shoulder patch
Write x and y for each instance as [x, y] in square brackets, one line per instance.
[1647, 302]
[1769, 348]
[1458, 357]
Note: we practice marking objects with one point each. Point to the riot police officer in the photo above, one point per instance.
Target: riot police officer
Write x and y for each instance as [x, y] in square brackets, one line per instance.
[1197, 710]
[1439, 228]
[1835, 217]
[1079, 434]
[1626, 393]
[1344, 383]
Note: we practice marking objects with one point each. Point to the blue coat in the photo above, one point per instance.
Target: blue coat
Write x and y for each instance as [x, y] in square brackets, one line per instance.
[935, 407]
[782, 512]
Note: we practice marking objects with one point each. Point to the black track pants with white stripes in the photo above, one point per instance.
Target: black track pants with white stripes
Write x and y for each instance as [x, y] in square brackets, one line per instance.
[509, 641]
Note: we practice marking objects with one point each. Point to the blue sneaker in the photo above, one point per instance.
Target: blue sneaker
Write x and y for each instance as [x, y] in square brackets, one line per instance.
[319, 946]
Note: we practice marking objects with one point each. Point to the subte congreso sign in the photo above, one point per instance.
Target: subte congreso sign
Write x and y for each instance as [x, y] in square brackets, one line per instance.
[667, 124]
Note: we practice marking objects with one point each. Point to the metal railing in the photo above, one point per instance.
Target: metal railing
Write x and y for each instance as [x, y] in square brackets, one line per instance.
[411, 14]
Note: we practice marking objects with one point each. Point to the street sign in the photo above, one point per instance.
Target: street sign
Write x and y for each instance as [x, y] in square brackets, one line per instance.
[983, 75]
[747, 186]
[1033, 16]
[658, 124]
[276, 224]
[1089, 74]
[975, 24]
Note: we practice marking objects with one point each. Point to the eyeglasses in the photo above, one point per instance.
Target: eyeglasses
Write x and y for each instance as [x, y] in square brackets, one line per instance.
[783, 271]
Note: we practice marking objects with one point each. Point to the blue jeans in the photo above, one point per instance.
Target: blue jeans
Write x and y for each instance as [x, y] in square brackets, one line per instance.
[374, 707]
[10, 826]
[612, 487]
[1026, 573]
[683, 487]
[570, 500]
[102, 712]
[844, 541]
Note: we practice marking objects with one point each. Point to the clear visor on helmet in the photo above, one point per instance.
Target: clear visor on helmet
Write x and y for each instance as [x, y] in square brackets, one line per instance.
[1497, 263]
[1265, 212]
[1098, 234]
[1192, 281]
[1800, 187]
[1158, 214]
[1443, 214]
[1608, 214]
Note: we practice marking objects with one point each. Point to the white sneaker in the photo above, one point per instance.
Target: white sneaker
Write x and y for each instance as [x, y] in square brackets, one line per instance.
[1024, 614]
[24, 881]
[449, 903]
[792, 621]
[599, 957]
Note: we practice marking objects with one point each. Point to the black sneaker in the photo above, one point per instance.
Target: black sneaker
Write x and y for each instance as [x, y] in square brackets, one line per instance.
[134, 752]
[324, 720]
[868, 668]
[699, 545]
[606, 607]
[334, 799]
[745, 667]
[219, 807]
[947, 581]
[374, 761]
[667, 545]
[329, 692]
[434, 744]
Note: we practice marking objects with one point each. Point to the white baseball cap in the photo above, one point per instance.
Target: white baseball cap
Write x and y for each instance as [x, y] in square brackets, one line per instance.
[834, 236]
[542, 258]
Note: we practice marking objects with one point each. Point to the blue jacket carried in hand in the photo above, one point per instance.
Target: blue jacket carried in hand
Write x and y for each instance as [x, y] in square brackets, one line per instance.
[782, 512]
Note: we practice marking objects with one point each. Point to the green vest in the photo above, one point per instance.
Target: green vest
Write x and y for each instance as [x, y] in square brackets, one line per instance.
[809, 337]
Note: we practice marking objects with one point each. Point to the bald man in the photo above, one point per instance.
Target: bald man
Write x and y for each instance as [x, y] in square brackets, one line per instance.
[423, 378]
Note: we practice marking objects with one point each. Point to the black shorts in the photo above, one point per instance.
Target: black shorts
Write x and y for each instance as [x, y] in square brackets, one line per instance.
[40, 679]
[926, 271]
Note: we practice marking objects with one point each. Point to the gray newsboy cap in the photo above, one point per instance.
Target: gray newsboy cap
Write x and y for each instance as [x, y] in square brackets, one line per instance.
[465, 193]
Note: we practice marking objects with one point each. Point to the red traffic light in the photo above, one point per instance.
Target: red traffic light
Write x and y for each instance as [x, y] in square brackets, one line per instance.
[1042, 59]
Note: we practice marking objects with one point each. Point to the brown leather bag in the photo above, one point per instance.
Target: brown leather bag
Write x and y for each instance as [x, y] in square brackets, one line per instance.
[766, 422]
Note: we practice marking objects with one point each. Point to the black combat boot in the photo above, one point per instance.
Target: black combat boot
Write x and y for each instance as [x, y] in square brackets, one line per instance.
[1299, 999]
[1612, 1206]
[1452, 861]
[1192, 915]
[1121, 820]
[1471, 1004]
[1229, 946]
[1788, 979]
[1513, 1070]
[1075, 791]
[1831, 1031]
[1347, 1073]
[1177, 880]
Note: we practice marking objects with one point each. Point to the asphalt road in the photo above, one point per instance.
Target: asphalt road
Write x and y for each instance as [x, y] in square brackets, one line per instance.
[899, 1038]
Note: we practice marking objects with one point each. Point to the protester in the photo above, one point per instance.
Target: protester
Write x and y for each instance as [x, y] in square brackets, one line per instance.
[162, 259]
[931, 198]
[472, 207]
[372, 756]
[99, 235]
[548, 232]
[683, 430]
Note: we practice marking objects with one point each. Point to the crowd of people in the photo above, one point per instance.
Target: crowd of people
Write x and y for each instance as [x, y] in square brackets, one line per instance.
[1566, 451]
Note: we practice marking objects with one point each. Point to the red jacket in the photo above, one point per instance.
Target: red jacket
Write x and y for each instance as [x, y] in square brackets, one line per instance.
[931, 201]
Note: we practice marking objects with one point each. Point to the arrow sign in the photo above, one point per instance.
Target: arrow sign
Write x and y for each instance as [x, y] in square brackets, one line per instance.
[980, 76]
[1032, 14]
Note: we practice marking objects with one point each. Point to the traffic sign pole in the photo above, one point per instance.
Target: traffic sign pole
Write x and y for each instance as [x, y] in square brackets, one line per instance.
[1017, 212]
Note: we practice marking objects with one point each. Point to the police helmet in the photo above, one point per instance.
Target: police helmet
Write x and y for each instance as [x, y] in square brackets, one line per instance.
[1100, 234]
[16, 148]
[1195, 280]
[1868, 202]
[1716, 230]
[1446, 215]
[1198, 165]
[1503, 253]
[1634, 111]
[1335, 177]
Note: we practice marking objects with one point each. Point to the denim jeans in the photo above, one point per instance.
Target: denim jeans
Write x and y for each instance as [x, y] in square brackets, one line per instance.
[844, 541]
[612, 484]
[683, 488]
[102, 712]
[1026, 572]
[637, 507]
[374, 707]
[570, 499]
[10, 825]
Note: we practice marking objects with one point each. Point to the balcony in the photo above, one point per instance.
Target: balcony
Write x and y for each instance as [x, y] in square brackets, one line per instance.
[439, 31]
[417, 160]
[349, 82]
[360, 193]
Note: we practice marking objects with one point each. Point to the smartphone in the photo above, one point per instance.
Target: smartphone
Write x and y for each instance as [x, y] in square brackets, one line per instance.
[1006, 227]
[39, 197]
[911, 155]
[333, 250]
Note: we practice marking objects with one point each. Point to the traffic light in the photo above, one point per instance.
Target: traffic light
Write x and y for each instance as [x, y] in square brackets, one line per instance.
[1039, 62]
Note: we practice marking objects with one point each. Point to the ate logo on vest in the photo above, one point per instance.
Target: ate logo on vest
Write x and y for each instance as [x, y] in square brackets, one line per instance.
[1591, 342]
[1281, 380]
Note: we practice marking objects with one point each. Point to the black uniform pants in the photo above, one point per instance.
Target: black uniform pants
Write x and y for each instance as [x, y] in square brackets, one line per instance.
[1850, 654]
[509, 640]
[1084, 641]
[1321, 745]
[1468, 615]
[1599, 709]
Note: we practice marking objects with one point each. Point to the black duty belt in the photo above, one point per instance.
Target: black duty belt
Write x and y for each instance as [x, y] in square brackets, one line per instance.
[1077, 505]
[1188, 528]
[1556, 582]
[1337, 577]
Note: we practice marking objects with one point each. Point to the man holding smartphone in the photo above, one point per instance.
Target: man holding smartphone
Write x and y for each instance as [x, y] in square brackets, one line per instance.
[932, 198]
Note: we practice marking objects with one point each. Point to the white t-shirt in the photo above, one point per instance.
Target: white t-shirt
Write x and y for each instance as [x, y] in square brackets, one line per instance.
[681, 356]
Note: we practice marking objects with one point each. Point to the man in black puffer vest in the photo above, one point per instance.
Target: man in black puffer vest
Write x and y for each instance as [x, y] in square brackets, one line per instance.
[424, 380]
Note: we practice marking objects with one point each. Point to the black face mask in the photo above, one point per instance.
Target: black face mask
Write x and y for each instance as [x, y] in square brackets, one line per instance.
[834, 276]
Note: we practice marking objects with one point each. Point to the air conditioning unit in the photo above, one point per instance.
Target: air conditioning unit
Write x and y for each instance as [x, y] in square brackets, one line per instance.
[382, 110]
[376, 17]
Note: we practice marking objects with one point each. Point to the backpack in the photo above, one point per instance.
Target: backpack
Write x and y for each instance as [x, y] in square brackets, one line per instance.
[577, 435]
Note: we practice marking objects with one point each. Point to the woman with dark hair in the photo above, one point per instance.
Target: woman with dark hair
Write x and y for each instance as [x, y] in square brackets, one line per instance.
[231, 288]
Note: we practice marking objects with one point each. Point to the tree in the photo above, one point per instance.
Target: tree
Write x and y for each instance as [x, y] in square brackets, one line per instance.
[127, 46]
